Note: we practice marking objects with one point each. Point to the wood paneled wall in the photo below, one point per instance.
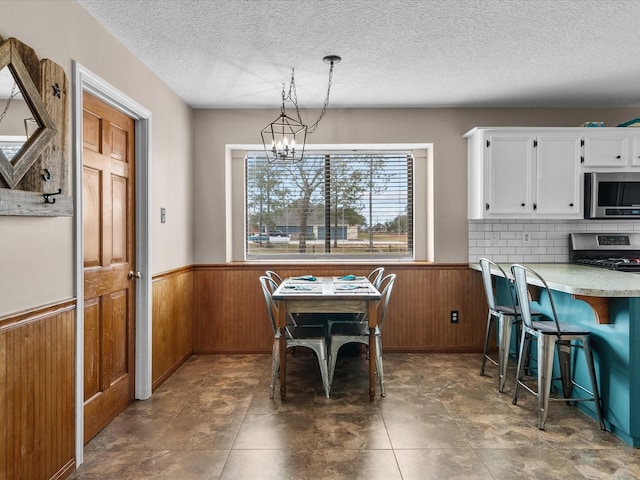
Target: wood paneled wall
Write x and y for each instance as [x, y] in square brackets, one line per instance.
[172, 327]
[230, 315]
[37, 404]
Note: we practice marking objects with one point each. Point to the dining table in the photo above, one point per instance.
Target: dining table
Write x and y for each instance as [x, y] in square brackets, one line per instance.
[327, 295]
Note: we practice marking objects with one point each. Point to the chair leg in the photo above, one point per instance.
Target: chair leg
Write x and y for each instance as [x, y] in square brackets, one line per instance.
[546, 353]
[379, 365]
[505, 323]
[588, 355]
[275, 366]
[333, 356]
[487, 341]
[324, 373]
[525, 345]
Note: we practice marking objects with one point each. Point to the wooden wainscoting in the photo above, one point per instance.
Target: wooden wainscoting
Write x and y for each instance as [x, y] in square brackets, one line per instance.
[230, 314]
[37, 404]
[172, 332]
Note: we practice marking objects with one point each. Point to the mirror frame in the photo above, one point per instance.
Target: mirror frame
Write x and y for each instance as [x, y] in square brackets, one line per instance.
[13, 171]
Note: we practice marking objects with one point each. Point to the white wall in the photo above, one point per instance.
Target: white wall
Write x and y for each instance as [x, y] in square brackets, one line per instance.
[443, 127]
[37, 253]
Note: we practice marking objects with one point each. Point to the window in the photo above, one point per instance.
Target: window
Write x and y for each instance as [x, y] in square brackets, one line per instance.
[355, 205]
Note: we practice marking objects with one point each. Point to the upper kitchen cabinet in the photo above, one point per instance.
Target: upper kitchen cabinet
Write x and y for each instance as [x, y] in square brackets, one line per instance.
[606, 147]
[523, 173]
[635, 151]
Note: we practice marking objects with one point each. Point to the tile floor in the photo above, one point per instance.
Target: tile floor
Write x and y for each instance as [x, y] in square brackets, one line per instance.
[213, 419]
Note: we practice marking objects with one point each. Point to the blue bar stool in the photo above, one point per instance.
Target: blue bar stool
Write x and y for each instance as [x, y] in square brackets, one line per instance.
[551, 336]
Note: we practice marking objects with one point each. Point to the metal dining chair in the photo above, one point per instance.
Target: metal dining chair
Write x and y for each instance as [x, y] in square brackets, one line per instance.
[274, 276]
[296, 336]
[551, 336]
[305, 319]
[375, 277]
[357, 332]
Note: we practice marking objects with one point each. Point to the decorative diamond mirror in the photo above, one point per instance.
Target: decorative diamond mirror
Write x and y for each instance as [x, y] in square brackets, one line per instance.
[25, 125]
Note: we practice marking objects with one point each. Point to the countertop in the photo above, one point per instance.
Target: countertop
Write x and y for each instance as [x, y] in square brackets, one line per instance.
[581, 280]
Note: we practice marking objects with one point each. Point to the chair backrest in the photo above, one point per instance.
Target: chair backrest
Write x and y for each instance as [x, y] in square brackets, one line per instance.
[273, 276]
[268, 287]
[520, 273]
[485, 266]
[375, 276]
[386, 284]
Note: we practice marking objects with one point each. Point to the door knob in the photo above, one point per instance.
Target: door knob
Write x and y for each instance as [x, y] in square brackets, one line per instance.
[133, 275]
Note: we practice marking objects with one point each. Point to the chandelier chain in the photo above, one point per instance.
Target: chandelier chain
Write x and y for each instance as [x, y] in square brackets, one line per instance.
[14, 92]
[292, 96]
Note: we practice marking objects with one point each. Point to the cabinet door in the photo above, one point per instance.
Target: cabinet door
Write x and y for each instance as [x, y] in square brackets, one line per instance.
[508, 180]
[557, 176]
[635, 151]
[606, 149]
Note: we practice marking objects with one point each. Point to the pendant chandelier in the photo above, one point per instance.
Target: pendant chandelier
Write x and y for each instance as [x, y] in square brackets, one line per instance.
[284, 138]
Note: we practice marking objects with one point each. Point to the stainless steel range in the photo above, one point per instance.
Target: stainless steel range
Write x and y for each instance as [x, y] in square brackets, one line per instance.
[615, 251]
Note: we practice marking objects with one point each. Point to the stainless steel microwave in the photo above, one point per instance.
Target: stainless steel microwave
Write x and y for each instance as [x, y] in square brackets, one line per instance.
[612, 195]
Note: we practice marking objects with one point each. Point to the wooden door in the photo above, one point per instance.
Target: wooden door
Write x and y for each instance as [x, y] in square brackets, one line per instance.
[109, 246]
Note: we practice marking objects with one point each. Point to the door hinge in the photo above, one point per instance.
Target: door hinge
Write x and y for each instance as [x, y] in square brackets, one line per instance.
[535, 143]
[581, 158]
[582, 142]
[488, 143]
[486, 206]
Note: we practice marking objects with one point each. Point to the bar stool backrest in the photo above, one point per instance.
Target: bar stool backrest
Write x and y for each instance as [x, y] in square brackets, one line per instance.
[520, 273]
[486, 265]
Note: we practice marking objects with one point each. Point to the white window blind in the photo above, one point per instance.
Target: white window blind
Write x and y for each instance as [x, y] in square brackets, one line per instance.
[356, 205]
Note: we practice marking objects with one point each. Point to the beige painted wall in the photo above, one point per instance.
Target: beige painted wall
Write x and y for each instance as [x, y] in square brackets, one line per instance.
[37, 254]
[442, 127]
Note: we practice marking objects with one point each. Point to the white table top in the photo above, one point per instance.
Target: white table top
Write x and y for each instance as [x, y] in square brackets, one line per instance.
[297, 288]
[581, 279]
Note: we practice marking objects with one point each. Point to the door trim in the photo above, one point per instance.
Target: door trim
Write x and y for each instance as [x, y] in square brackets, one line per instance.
[85, 80]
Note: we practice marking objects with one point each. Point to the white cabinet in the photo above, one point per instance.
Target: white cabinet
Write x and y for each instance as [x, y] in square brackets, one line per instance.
[557, 176]
[635, 150]
[606, 148]
[525, 173]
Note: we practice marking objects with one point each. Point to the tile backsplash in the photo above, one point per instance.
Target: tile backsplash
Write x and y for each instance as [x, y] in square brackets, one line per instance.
[533, 241]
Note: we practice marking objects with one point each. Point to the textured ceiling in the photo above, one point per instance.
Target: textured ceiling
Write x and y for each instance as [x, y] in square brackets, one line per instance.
[395, 53]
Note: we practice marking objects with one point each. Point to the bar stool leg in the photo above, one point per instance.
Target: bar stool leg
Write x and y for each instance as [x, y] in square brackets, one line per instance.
[564, 359]
[546, 353]
[588, 355]
[487, 340]
[505, 323]
[525, 345]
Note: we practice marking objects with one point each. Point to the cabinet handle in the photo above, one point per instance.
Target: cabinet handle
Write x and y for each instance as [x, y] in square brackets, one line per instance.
[486, 206]
[535, 206]
[618, 157]
[522, 204]
[571, 204]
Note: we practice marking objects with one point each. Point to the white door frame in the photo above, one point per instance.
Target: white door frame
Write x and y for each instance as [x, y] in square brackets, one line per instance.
[85, 80]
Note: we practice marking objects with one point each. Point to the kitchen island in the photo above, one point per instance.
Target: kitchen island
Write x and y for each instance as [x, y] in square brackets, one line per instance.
[607, 303]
